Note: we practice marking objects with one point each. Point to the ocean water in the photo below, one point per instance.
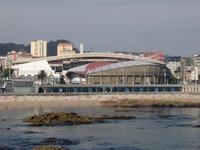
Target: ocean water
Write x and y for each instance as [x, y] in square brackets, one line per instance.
[153, 129]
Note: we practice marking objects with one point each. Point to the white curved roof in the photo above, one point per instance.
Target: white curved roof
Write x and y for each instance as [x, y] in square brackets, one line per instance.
[122, 64]
[33, 68]
[93, 55]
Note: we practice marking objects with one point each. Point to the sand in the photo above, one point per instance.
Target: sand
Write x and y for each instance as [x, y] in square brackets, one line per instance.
[54, 101]
[9, 102]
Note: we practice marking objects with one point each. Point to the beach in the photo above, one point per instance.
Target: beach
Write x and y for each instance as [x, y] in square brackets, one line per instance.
[52, 101]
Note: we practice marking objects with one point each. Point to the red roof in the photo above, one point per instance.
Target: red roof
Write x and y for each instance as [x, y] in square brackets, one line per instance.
[97, 64]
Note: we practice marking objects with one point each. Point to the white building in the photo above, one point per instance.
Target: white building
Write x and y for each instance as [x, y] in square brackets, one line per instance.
[191, 74]
[196, 61]
[39, 48]
[173, 67]
[32, 68]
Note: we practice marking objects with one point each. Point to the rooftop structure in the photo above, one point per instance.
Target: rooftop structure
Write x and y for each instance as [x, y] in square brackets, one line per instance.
[32, 68]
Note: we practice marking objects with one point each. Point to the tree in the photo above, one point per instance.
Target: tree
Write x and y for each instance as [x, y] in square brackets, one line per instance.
[7, 47]
[69, 75]
[62, 79]
[42, 75]
[7, 72]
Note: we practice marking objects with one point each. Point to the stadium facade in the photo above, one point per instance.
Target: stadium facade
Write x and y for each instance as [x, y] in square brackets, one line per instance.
[122, 73]
[108, 68]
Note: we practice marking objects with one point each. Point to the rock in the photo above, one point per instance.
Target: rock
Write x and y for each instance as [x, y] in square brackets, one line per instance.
[150, 103]
[49, 148]
[58, 141]
[196, 126]
[116, 117]
[49, 119]
[4, 119]
[61, 118]
[5, 148]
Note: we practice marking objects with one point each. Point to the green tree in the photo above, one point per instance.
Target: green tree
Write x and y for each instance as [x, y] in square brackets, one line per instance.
[7, 72]
[62, 79]
[42, 75]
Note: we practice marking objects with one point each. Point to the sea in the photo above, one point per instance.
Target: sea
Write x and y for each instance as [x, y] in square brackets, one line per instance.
[153, 129]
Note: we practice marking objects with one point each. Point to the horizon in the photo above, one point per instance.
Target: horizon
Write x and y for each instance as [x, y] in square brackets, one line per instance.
[113, 25]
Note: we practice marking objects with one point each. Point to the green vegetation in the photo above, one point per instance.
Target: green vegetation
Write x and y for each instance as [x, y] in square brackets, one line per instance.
[61, 118]
[42, 75]
[49, 119]
[7, 47]
[51, 46]
[62, 79]
[7, 72]
[173, 80]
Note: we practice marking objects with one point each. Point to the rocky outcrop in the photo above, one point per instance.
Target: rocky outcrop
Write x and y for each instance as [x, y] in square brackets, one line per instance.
[150, 103]
[61, 118]
[49, 148]
[49, 119]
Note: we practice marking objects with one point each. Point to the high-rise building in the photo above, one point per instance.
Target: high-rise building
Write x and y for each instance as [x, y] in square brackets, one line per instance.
[39, 48]
[196, 62]
[64, 49]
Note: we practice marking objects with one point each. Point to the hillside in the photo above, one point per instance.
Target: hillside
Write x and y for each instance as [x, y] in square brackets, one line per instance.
[51, 47]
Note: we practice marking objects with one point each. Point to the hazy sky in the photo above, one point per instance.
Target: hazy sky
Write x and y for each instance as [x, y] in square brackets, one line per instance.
[124, 25]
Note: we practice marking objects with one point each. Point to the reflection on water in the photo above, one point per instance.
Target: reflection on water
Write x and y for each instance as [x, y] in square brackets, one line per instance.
[153, 128]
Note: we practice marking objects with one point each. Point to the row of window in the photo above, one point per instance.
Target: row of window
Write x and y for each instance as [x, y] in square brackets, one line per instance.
[109, 89]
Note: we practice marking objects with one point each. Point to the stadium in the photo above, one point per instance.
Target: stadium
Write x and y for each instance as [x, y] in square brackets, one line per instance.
[100, 68]
[121, 73]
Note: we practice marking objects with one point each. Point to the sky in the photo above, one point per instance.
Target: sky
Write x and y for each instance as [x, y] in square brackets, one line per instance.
[171, 26]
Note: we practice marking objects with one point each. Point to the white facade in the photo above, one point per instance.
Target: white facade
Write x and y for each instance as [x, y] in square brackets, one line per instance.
[65, 49]
[191, 74]
[173, 66]
[39, 48]
[196, 61]
[194, 74]
[33, 68]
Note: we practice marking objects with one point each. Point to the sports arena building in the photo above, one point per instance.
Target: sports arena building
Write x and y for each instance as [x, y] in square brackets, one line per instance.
[107, 68]
[121, 73]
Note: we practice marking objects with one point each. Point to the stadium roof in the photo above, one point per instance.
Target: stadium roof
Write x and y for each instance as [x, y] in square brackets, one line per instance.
[122, 64]
[96, 67]
[85, 68]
